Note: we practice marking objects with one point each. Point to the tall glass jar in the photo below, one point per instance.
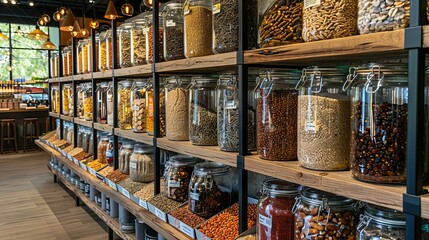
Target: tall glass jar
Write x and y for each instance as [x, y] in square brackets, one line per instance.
[149, 38]
[379, 123]
[71, 102]
[101, 149]
[142, 164]
[54, 65]
[70, 61]
[177, 175]
[109, 49]
[138, 42]
[225, 25]
[102, 53]
[198, 28]
[67, 92]
[335, 216]
[342, 17]
[124, 38]
[79, 55]
[85, 55]
[65, 61]
[277, 104]
[173, 32]
[90, 57]
[138, 105]
[124, 157]
[55, 99]
[202, 111]
[150, 110]
[80, 89]
[87, 103]
[110, 104]
[323, 120]
[209, 189]
[276, 218]
[109, 151]
[177, 108]
[124, 105]
[102, 89]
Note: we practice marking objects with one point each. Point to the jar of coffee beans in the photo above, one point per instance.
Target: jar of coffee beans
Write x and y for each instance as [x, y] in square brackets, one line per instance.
[173, 32]
[177, 175]
[124, 37]
[177, 108]
[138, 105]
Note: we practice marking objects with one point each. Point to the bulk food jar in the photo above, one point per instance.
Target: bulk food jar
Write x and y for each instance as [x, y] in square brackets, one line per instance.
[79, 92]
[79, 63]
[209, 189]
[87, 103]
[124, 157]
[198, 28]
[110, 104]
[138, 46]
[225, 26]
[177, 175]
[150, 110]
[85, 55]
[202, 111]
[67, 92]
[342, 17]
[71, 101]
[277, 104]
[55, 99]
[65, 61]
[138, 105]
[177, 108]
[379, 123]
[383, 16]
[124, 38]
[124, 105]
[54, 65]
[149, 38]
[142, 164]
[109, 49]
[102, 53]
[173, 32]
[336, 216]
[102, 89]
[323, 120]
[101, 149]
[276, 219]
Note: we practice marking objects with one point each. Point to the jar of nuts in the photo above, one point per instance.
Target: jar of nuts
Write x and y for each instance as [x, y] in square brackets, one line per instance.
[323, 119]
[320, 215]
[102, 89]
[67, 92]
[124, 37]
[102, 54]
[173, 32]
[142, 164]
[87, 102]
[138, 105]
[209, 189]
[177, 174]
[124, 105]
[177, 108]
[138, 46]
[327, 19]
[124, 157]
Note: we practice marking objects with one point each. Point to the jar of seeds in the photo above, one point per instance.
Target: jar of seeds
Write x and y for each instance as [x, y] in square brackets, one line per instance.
[124, 105]
[173, 32]
[67, 92]
[124, 157]
[177, 175]
[318, 214]
[102, 89]
[177, 108]
[142, 164]
[202, 111]
[138, 105]
[102, 52]
[124, 38]
[378, 16]
[225, 26]
[277, 101]
[323, 120]
[209, 189]
[138, 46]
[327, 19]
[87, 102]
[149, 38]
[198, 28]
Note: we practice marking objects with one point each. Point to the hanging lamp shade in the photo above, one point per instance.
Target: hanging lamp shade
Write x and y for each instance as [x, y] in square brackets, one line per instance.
[48, 45]
[127, 9]
[94, 24]
[2, 36]
[84, 32]
[76, 29]
[37, 34]
[57, 16]
[62, 10]
[68, 22]
[111, 11]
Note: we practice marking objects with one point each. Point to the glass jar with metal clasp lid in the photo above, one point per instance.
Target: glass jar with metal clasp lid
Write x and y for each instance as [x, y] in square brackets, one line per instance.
[173, 32]
[85, 55]
[110, 104]
[67, 92]
[150, 109]
[142, 164]
[102, 54]
[80, 92]
[124, 37]
[79, 64]
[177, 175]
[124, 157]
[138, 38]
[124, 105]
[87, 103]
[102, 89]
[149, 38]
[138, 105]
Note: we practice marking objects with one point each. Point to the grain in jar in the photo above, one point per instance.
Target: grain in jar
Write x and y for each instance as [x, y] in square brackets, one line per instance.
[138, 105]
[102, 89]
[198, 28]
[142, 164]
[139, 41]
[124, 105]
[177, 175]
[124, 157]
[173, 32]
[67, 92]
[124, 38]
[176, 108]
[149, 38]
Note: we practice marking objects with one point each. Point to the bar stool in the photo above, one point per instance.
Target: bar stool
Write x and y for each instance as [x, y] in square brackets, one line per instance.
[31, 124]
[10, 125]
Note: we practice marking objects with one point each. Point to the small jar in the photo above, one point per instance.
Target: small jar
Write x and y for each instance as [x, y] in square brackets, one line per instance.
[101, 149]
[173, 32]
[177, 108]
[124, 38]
[55, 99]
[276, 219]
[342, 17]
[150, 110]
[149, 39]
[85, 55]
[79, 64]
[323, 120]
[67, 92]
[206, 194]
[198, 28]
[138, 105]
[124, 157]
[87, 103]
[142, 164]
[79, 92]
[110, 104]
[225, 26]
[202, 111]
[102, 89]
[335, 215]
[177, 175]
[138, 31]
[277, 104]
[124, 105]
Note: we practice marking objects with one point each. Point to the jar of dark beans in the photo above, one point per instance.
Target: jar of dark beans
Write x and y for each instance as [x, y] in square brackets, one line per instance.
[379, 122]
[318, 214]
[225, 25]
[209, 189]
[177, 175]
[173, 32]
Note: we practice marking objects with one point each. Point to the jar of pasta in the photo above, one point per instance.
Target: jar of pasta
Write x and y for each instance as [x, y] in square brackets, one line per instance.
[85, 55]
[138, 46]
[124, 105]
[109, 49]
[55, 99]
[67, 92]
[124, 38]
[142, 164]
[110, 104]
[149, 38]
[87, 102]
[150, 110]
[80, 89]
[102, 52]
[65, 61]
[138, 104]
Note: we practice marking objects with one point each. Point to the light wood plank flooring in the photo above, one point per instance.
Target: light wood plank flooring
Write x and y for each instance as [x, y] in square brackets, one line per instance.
[33, 207]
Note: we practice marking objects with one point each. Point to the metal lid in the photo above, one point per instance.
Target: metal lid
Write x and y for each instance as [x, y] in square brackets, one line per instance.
[126, 83]
[383, 215]
[212, 168]
[126, 25]
[143, 149]
[176, 81]
[280, 187]
[175, 5]
[314, 196]
[128, 145]
[386, 69]
[331, 72]
[182, 160]
[202, 79]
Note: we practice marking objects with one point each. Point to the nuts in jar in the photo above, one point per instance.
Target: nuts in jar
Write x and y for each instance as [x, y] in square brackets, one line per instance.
[177, 175]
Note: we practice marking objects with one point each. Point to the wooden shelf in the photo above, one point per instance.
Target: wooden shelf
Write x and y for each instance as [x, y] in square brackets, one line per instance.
[210, 153]
[55, 115]
[66, 79]
[23, 110]
[102, 75]
[83, 122]
[139, 137]
[67, 118]
[83, 77]
[137, 71]
[53, 80]
[103, 127]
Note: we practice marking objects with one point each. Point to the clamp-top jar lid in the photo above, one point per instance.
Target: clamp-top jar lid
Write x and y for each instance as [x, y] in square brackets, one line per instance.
[128, 145]
[142, 149]
[279, 187]
[182, 160]
[126, 26]
[215, 169]
[140, 82]
[175, 5]
[203, 79]
[316, 197]
[126, 83]
[382, 215]
[177, 81]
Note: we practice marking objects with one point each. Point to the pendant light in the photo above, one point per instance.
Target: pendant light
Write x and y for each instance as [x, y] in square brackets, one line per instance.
[41, 22]
[94, 24]
[46, 18]
[18, 31]
[62, 10]
[68, 22]
[57, 16]
[111, 13]
[48, 45]
[2, 36]
[83, 31]
[76, 29]
[127, 9]
[37, 34]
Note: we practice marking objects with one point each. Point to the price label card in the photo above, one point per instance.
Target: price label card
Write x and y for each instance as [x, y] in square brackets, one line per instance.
[216, 8]
[76, 161]
[160, 214]
[171, 23]
[92, 171]
[126, 193]
[173, 183]
[112, 185]
[143, 203]
[186, 230]
[266, 221]
[194, 196]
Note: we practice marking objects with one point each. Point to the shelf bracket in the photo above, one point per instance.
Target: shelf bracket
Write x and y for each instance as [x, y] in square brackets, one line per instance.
[240, 162]
[413, 37]
[411, 204]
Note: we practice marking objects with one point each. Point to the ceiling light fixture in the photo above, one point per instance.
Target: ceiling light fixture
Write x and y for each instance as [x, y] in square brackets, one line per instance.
[41, 22]
[31, 3]
[94, 24]
[13, 2]
[111, 13]
[46, 18]
[5, 1]
[48, 45]
[37, 34]
[68, 22]
[76, 29]
[2, 36]
[127, 9]
[63, 10]
[57, 16]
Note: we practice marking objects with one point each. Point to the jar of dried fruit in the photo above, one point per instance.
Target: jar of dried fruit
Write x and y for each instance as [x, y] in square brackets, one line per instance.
[142, 164]
[319, 213]
[124, 38]
[177, 108]
[67, 92]
[149, 38]
[173, 32]
[124, 157]
[323, 119]
[124, 105]
[102, 89]
[138, 105]
[87, 102]
[102, 54]
[177, 175]
[138, 46]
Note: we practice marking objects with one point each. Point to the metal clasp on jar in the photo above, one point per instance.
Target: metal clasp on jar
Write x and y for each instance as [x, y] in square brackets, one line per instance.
[324, 207]
[266, 85]
[350, 78]
[364, 222]
[375, 70]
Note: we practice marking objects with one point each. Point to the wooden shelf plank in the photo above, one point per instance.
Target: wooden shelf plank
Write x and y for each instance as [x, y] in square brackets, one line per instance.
[67, 118]
[142, 70]
[83, 77]
[83, 122]
[103, 127]
[139, 137]
[53, 80]
[55, 115]
[211, 153]
[66, 79]
[102, 75]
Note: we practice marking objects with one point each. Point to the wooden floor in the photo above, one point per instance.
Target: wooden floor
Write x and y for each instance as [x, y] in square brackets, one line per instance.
[33, 207]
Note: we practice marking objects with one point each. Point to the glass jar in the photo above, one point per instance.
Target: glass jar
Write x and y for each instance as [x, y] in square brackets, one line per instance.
[110, 104]
[80, 92]
[102, 89]
[335, 215]
[209, 189]
[87, 103]
[177, 108]
[54, 65]
[379, 123]
[67, 92]
[124, 105]
[109, 151]
[177, 175]
[323, 120]
[150, 110]
[198, 28]
[202, 111]
[138, 105]
[173, 32]
[109, 49]
[101, 149]
[386, 16]
[342, 17]
[149, 38]
[381, 223]
[85, 140]
[55, 99]
[65, 61]
[277, 104]
[79, 63]
[71, 101]
[89, 56]
[142, 164]
[138, 42]
[275, 216]
[124, 157]
[225, 26]
[102, 52]
[85, 55]
[124, 38]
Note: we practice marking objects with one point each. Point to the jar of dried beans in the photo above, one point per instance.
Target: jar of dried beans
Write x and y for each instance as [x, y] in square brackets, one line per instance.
[277, 101]
[275, 216]
[124, 105]
[318, 214]
[173, 32]
[102, 89]
[198, 28]
[209, 189]
[177, 108]
[342, 21]
[177, 175]
[150, 110]
[87, 102]
[124, 37]
[101, 149]
[149, 38]
[124, 157]
[142, 164]
[138, 46]
[379, 123]
[138, 105]
[67, 92]
[202, 111]
[323, 120]
[102, 54]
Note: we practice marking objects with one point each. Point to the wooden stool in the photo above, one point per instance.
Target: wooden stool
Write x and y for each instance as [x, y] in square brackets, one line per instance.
[33, 125]
[10, 125]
